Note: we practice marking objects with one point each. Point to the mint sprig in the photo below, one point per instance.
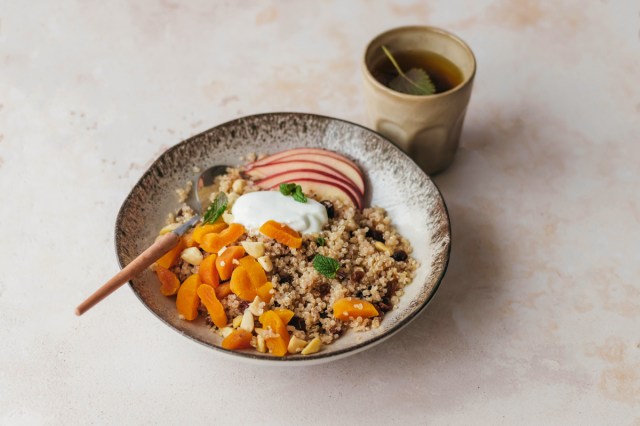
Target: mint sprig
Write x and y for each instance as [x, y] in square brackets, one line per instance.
[215, 209]
[416, 81]
[320, 241]
[327, 266]
[287, 188]
[299, 196]
[294, 190]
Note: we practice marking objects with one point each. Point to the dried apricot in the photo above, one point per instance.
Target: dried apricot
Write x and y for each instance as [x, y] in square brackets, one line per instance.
[169, 282]
[350, 307]
[188, 301]
[281, 233]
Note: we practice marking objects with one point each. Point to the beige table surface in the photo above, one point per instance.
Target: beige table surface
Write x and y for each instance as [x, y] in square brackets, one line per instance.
[538, 318]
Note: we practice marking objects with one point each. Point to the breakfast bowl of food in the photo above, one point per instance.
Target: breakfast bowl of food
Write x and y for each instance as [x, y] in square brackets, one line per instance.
[318, 240]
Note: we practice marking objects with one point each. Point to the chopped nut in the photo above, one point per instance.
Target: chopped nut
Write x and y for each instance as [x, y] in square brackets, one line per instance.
[257, 306]
[236, 321]
[260, 344]
[238, 185]
[170, 227]
[296, 345]
[231, 198]
[226, 331]
[192, 256]
[227, 218]
[382, 247]
[265, 262]
[312, 347]
[247, 321]
[253, 248]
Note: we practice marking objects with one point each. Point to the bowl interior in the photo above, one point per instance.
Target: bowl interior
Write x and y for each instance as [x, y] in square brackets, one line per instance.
[394, 182]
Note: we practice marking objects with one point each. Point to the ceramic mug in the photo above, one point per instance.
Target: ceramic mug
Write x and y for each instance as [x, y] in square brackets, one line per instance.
[426, 127]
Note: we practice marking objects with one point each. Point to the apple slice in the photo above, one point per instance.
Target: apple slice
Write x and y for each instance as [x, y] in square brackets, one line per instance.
[282, 154]
[286, 165]
[339, 162]
[323, 185]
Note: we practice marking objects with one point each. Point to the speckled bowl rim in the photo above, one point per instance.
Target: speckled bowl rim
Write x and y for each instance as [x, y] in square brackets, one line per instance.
[320, 355]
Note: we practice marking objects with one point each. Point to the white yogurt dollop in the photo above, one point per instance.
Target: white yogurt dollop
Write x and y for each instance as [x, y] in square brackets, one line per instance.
[252, 210]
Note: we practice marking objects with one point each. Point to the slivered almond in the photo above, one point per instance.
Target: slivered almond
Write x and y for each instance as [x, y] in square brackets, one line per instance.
[226, 331]
[247, 321]
[382, 247]
[238, 185]
[312, 347]
[265, 262]
[253, 248]
[227, 218]
[260, 344]
[257, 306]
[236, 321]
[192, 256]
[296, 345]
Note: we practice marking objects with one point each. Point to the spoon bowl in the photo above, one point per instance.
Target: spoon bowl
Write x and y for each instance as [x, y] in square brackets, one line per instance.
[205, 186]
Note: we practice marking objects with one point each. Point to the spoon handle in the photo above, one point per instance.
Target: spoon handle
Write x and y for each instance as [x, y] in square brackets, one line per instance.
[136, 266]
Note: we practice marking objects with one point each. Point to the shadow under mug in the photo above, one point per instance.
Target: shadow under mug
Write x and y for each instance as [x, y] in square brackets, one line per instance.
[425, 127]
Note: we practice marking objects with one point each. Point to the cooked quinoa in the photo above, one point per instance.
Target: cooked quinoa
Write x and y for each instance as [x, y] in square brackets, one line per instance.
[375, 266]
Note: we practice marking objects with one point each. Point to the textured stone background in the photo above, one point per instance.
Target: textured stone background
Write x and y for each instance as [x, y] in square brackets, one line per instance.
[538, 318]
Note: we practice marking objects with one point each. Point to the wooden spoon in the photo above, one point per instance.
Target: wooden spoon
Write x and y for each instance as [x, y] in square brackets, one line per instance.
[204, 187]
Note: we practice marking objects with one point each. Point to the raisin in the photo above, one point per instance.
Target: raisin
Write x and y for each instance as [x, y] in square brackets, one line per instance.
[391, 288]
[297, 322]
[376, 235]
[323, 289]
[383, 306]
[357, 275]
[341, 274]
[336, 330]
[285, 278]
[399, 255]
[331, 213]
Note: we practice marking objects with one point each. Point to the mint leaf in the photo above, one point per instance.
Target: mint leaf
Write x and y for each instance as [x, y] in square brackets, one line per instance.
[327, 266]
[216, 208]
[320, 241]
[298, 195]
[294, 190]
[287, 188]
[416, 81]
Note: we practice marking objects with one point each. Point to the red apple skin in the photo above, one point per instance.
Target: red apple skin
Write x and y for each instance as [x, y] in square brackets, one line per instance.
[282, 154]
[346, 166]
[308, 179]
[279, 167]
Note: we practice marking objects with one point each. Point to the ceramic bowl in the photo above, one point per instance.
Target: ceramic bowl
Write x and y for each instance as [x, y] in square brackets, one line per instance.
[394, 182]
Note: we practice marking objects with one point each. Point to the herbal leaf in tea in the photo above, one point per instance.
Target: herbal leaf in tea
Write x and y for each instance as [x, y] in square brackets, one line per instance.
[416, 81]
